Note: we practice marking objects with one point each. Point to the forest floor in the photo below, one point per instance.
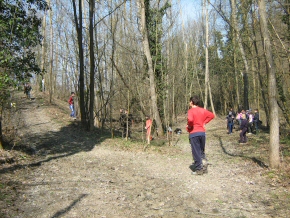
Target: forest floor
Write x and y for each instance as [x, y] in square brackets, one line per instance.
[56, 169]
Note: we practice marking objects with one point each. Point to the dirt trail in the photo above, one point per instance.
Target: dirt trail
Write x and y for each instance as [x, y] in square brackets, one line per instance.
[77, 174]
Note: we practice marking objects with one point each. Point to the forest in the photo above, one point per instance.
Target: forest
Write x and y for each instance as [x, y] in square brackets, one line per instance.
[151, 56]
[127, 62]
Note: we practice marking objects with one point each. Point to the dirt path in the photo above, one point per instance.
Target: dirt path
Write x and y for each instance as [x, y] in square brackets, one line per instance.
[77, 174]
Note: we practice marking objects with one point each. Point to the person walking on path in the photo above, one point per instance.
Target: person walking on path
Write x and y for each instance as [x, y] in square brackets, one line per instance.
[243, 129]
[197, 117]
[148, 128]
[256, 120]
[71, 105]
[230, 122]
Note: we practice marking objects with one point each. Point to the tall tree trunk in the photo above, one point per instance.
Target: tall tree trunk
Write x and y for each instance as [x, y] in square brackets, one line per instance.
[79, 27]
[146, 48]
[260, 77]
[51, 56]
[206, 76]
[92, 64]
[43, 47]
[239, 41]
[272, 86]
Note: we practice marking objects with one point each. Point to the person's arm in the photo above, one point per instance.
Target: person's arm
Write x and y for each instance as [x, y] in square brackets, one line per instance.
[208, 116]
[190, 124]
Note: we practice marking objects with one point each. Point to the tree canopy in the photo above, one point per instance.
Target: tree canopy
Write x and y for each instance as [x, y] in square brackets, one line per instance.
[19, 35]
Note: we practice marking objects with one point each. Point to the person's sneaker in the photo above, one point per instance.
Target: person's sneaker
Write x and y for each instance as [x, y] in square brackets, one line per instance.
[198, 172]
[192, 167]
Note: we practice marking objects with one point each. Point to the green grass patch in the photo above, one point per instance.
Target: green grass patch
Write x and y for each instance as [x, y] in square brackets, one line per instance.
[2, 186]
[285, 146]
[271, 174]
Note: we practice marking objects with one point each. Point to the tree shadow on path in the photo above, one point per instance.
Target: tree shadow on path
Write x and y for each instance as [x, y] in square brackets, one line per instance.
[67, 209]
[69, 140]
[254, 159]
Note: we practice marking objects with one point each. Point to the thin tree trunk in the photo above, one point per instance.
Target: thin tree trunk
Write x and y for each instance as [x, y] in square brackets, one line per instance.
[92, 64]
[146, 48]
[206, 77]
[79, 27]
[43, 47]
[51, 55]
[260, 77]
[243, 54]
[272, 86]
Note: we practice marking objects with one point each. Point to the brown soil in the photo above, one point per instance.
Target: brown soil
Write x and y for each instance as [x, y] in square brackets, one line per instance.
[56, 169]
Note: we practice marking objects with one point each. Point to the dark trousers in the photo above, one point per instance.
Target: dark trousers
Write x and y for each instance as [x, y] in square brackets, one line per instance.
[197, 148]
[256, 126]
[250, 127]
[243, 137]
[230, 126]
[124, 133]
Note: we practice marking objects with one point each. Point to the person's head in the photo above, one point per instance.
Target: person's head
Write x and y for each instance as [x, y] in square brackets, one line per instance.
[194, 100]
[72, 94]
[243, 116]
[256, 110]
[147, 117]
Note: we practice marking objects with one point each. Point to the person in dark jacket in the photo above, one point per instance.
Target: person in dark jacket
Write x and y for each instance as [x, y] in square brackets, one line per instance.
[243, 129]
[230, 122]
[256, 120]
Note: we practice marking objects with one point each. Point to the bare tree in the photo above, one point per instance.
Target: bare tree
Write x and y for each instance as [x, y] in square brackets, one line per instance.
[92, 63]
[51, 56]
[150, 68]
[272, 87]
[79, 29]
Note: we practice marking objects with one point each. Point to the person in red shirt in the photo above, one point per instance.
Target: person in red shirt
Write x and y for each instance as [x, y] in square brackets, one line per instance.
[197, 117]
[148, 128]
[71, 105]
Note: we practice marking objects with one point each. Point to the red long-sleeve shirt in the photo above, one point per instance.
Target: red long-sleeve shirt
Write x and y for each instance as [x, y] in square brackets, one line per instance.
[71, 100]
[197, 117]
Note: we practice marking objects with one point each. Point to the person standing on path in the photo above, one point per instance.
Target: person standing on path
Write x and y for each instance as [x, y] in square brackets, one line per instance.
[148, 128]
[71, 105]
[197, 117]
[243, 129]
[230, 122]
[256, 120]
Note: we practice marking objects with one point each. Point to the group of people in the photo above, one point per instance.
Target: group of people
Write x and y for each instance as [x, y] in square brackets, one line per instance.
[247, 120]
